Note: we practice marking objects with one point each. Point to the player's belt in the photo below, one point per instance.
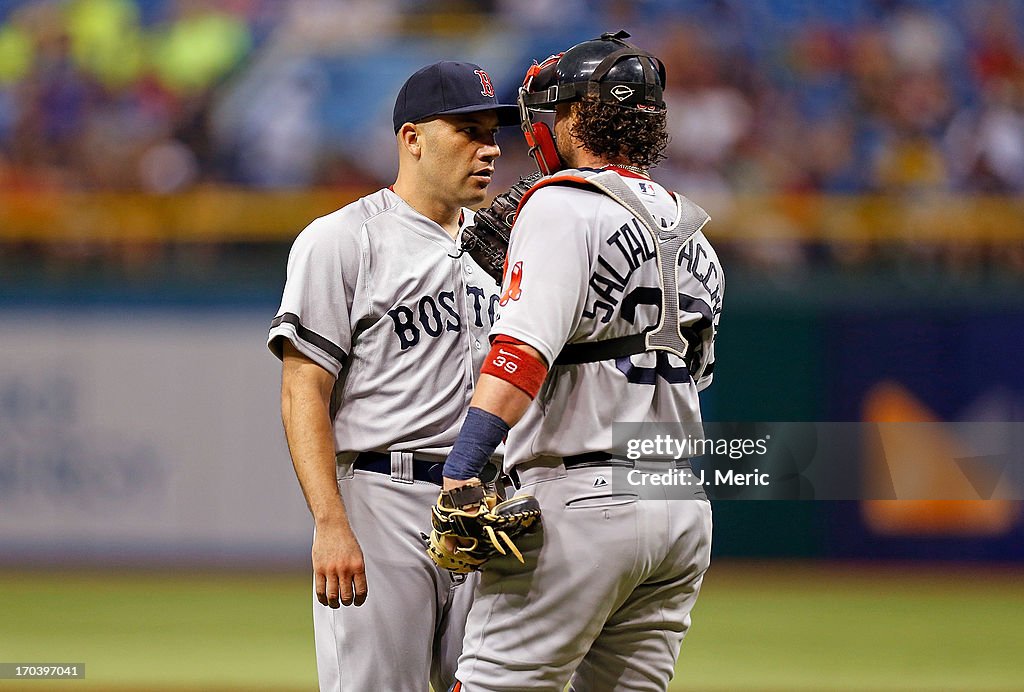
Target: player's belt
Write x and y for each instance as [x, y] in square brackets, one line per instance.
[606, 459]
[422, 469]
[380, 462]
[594, 459]
[576, 461]
[550, 466]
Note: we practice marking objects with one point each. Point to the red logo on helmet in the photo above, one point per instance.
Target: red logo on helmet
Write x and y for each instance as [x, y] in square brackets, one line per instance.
[514, 285]
[485, 82]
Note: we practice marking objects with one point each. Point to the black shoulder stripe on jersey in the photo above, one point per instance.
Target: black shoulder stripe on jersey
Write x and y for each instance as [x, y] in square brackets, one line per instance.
[310, 336]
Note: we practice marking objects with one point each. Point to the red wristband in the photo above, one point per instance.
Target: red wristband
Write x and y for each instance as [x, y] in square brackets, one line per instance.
[507, 361]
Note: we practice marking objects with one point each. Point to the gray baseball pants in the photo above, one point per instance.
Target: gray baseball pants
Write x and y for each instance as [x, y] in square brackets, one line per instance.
[411, 626]
[604, 598]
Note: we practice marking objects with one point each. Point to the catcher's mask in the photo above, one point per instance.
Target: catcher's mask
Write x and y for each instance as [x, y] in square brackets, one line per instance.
[605, 69]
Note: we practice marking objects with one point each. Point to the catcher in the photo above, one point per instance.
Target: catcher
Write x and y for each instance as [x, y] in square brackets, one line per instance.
[609, 313]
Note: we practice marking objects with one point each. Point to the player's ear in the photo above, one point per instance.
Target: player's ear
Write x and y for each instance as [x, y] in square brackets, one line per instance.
[409, 136]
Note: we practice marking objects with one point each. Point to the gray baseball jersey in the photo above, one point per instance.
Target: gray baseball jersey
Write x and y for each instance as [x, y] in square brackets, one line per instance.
[614, 292]
[379, 296]
[605, 594]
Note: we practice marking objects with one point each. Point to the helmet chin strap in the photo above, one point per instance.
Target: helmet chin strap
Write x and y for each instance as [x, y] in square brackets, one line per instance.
[540, 139]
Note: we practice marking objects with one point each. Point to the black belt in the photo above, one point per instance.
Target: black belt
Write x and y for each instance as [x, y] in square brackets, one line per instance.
[422, 469]
[606, 459]
[582, 461]
[590, 459]
[596, 459]
[380, 462]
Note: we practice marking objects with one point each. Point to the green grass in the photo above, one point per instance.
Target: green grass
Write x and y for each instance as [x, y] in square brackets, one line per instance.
[765, 626]
[174, 631]
[777, 627]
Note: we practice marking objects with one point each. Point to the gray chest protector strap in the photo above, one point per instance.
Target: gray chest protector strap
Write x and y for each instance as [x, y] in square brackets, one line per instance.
[668, 242]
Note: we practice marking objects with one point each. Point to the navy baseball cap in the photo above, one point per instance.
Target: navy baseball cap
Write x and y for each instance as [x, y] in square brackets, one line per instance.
[448, 88]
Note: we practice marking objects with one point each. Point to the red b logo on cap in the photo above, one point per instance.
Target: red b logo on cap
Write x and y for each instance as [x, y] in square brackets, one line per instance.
[485, 82]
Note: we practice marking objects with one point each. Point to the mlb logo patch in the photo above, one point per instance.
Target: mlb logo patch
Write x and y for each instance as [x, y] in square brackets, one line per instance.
[647, 188]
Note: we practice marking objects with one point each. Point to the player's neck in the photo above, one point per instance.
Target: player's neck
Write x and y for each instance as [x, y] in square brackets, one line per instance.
[585, 159]
[440, 213]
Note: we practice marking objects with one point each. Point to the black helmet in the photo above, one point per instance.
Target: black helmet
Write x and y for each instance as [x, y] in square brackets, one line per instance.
[607, 69]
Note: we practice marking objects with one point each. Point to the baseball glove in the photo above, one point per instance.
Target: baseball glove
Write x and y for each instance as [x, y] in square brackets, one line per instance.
[481, 527]
[486, 240]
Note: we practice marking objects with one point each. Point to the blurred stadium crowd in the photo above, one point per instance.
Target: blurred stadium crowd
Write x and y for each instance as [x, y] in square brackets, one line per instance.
[900, 97]
[766, 95]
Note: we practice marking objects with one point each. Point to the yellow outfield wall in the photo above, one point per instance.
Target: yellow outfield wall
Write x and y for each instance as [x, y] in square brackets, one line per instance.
[223, 214]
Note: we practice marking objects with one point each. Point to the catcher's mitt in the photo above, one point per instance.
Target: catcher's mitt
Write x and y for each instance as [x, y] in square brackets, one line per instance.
[486, 240]
[481, 527]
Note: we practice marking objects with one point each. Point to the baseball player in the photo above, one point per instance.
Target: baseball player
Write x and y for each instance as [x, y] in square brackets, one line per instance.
[381, 331]
[609, 311]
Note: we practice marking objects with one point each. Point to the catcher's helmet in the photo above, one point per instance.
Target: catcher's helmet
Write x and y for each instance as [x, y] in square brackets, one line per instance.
[606, 69]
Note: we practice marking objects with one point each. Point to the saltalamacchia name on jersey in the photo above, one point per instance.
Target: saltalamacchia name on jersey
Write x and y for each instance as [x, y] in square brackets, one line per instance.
[633, 248]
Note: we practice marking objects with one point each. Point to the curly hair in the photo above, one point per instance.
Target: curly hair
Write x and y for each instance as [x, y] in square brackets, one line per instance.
[620, 135]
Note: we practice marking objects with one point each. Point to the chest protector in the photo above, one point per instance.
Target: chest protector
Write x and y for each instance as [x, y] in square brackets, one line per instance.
[668, 242]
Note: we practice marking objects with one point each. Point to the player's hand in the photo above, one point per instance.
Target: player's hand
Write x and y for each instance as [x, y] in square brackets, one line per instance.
[451, 483]
[450, 542]
[469, 527]
[338, 567]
